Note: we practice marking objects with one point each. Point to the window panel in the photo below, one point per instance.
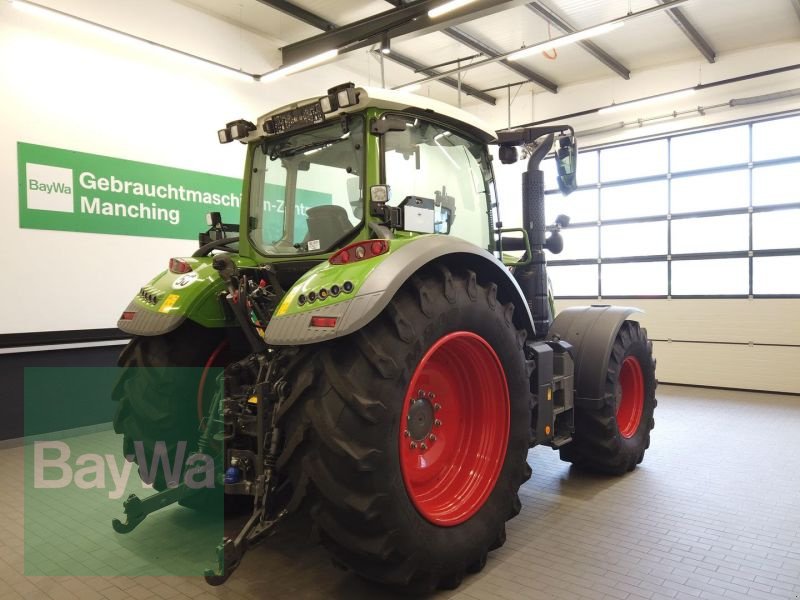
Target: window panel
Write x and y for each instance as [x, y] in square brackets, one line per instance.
[579, 206]
[776, 229]
[721, 276]
[634, 160]
[635, 239]
[679, 195]
[634, 279]
[636, 200]
[574, 280]
[714, 191]
[714, 148]
[587, 168]
[778, 184]
[579, 242]
[710, 234]
[776, 275]
[548, 168]
[443, 167]
[776, 139]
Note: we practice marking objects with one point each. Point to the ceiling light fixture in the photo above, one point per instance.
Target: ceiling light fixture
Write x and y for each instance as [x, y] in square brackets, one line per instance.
[566, 39]
[386, 47]
[645, 101]
[447, 7]
[117, 35]
[300, 66]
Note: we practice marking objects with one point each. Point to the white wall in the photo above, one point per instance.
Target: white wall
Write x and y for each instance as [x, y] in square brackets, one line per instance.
[70, 87]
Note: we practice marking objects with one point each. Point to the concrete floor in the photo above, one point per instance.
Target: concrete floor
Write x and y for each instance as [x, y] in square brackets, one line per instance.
[713, 512]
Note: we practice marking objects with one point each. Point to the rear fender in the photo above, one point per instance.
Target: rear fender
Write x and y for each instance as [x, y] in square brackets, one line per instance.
[591, 330]
[170, 298]
[375, 282]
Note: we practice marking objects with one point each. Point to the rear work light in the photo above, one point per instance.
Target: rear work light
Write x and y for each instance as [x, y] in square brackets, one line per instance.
[359, 251]
[128, 315]
[318, 321]
[179, 266]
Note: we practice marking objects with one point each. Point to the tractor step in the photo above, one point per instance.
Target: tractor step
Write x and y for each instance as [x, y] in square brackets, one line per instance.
[552, 382]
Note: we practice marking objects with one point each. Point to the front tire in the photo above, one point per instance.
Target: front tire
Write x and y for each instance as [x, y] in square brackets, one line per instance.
[361, 408]
[613, 436]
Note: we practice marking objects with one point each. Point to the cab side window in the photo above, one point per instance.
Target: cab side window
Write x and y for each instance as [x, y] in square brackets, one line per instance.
[430, 162]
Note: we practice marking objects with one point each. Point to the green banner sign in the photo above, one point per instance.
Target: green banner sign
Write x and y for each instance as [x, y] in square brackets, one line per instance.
[75, 191]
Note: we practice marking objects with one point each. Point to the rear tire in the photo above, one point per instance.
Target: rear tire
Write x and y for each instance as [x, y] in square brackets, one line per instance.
[612, 437]
[345, 420]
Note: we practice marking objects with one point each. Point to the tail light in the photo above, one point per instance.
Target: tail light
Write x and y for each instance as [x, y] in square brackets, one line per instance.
[318, 321]
[359, 251]
[179, 266]
[128, 315]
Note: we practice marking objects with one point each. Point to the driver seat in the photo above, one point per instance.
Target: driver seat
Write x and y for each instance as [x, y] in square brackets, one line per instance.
[326, 223]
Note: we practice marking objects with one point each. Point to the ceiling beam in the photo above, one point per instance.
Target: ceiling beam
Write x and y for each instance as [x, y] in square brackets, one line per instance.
[406, 20]
[479, 46]
[472, 42]
[324, 24]
[299, 13]
[690, 31]
[588, 45]
[406, 61]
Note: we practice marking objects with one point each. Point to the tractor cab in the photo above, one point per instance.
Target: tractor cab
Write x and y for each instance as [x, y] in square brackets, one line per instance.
[361, 163]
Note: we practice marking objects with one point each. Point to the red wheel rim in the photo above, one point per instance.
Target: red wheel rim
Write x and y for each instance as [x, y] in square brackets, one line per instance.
[454, 428]
[631, 405]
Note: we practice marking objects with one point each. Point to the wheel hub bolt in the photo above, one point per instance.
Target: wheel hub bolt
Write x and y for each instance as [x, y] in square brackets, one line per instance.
[423, 446]
[407, 433]
[413, 445]
[437, 423]
[431, 395]
[437, 406]
[432, 437]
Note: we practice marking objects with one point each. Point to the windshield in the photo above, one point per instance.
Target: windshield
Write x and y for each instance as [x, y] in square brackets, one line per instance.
[305, 193]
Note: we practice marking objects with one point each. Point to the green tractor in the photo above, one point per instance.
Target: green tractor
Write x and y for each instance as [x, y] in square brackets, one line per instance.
[390, 351]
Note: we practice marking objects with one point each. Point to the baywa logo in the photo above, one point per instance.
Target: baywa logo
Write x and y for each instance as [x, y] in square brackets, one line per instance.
[49, 188]
[52, 468]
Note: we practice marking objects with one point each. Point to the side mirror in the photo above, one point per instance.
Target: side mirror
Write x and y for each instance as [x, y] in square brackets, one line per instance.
[567, 164]
[508, 155]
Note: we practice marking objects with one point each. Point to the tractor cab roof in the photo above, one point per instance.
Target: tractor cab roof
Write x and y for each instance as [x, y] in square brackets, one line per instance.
[305, 112]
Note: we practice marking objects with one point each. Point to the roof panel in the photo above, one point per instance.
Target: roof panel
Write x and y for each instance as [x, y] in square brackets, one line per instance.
[342, 13]
[647, 42]
[508, 30]
[585, 13]
[732, 26]
[255, 16]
